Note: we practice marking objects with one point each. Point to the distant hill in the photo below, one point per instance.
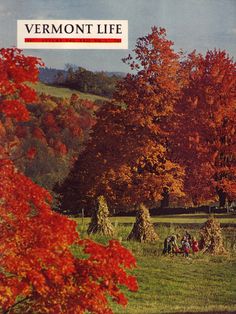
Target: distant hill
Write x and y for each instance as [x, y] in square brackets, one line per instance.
[49, 75]
[98, 83]
[119, 74]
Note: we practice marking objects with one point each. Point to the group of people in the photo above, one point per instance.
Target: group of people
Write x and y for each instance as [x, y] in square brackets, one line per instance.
[187, 243]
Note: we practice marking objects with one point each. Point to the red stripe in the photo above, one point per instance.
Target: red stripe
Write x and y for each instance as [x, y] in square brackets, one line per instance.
[72, 40]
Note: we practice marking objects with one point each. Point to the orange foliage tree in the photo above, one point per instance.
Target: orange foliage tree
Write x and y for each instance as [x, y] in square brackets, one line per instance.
[57, 130]
[127, 159]
[38, 272]
[204, 138]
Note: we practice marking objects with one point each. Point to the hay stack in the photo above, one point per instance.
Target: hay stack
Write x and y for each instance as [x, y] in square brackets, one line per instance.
[143, 229]
[100, 222]
[211, 237]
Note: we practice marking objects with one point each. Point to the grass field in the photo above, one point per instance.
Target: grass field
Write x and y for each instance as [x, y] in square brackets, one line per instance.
[63, 92]
[202, 283]
[175, 219]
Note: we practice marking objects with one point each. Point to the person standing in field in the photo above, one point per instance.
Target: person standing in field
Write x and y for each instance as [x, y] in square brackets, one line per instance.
[167, 245]
[195, 246]
[188, 236]
[185, 246]
[171, 245]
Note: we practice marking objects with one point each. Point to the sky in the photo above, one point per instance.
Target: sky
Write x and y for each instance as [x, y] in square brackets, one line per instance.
[191, 24]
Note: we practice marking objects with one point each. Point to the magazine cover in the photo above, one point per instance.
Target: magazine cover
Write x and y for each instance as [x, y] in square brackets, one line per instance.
[117, 156]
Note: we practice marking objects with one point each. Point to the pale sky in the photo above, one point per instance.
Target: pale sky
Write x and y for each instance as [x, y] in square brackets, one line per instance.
[191, 24]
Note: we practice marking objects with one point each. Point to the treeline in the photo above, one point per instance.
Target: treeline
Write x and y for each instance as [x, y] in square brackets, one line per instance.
[98, 83]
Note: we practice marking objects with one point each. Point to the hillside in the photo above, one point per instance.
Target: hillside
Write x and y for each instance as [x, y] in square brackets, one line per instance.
[49, 75]
[99, 83]
[64, 92]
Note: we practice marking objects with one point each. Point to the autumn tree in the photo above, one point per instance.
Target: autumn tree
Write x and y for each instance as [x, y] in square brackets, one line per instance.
[38, 272]
[57, 130]
[204, 124]
[127, 159]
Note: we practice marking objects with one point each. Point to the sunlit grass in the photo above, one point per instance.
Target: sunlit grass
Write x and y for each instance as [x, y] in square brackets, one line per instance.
[63, 92]
[174, 284]
[173, 219]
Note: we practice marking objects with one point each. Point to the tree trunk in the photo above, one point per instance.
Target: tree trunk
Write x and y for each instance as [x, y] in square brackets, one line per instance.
[166, 198]
[100, 222]
[222, 198]
[143, 229]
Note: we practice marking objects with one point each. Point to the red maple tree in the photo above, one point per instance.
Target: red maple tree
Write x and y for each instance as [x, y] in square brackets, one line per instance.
[204, 124]
[38, 272]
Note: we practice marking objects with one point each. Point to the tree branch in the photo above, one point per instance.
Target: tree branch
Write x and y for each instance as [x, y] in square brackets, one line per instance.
[8, 311]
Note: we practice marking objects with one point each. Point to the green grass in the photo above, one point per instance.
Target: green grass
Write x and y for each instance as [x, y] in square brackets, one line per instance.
[175, 219]
[202, 283]
[63, 92]
[175, 284]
